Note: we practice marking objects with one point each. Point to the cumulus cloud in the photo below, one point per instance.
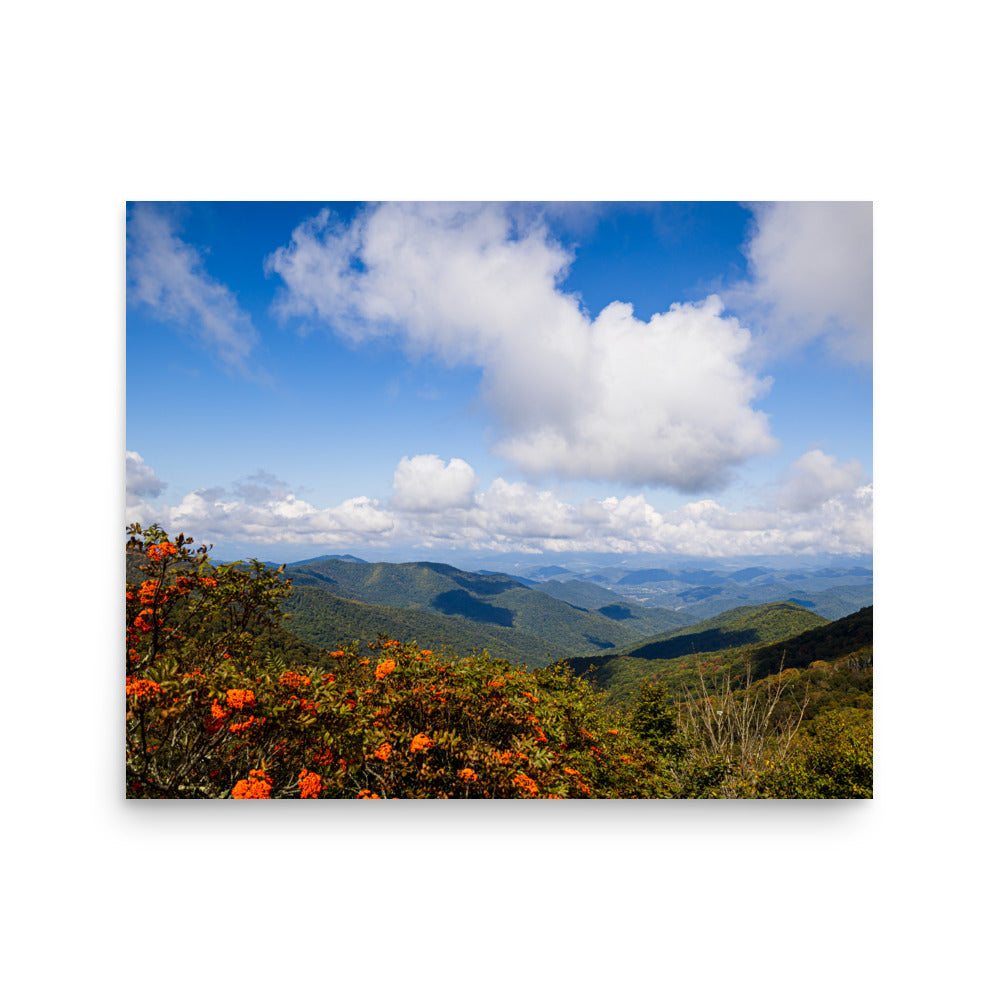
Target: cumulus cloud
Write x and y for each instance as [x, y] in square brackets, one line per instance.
[668, 402]
[812, 277]
[424, 482]
[815, 478]
[140, 479]
[168, 275]
[518, 517]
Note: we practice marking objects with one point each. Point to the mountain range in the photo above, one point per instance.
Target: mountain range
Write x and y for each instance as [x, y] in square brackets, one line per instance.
[619, 627]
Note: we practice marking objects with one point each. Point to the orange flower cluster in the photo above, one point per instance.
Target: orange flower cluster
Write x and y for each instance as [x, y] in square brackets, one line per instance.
[421, 742]
[385, 668]
[338, 655]
[467, 775]
[292, 680]
[525, 783]
[530, 696]
[323, 757]
[147, 592]
[241, 727]
[209, 581]
[367, 793]
[310, 784]
[383, 752]
[391, 643]
[238, 699]
[498, 683]
[612, 732]
[142, 689]
[218, 712]
[505, 758]
[157, 552]
[257, 786]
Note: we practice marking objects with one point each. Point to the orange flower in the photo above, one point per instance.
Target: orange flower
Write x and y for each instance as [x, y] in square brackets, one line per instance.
[293, 680]
[142, 689]
[240, 727]
[367, 793]
[526, 784]
[530, 696]
[238, 699]
[612, 732]
[209, 581]
[505, 758]
[147, 592]
[257, 786]
[426, 652]
[338, 655]
[383, 752]
[421, 742]
[385, 668]
[467, 774]
[310, 785]
[218, 712]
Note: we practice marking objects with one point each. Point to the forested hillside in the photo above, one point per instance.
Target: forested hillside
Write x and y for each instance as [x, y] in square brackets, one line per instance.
[472, 610]
[333, 622]
[622, 675]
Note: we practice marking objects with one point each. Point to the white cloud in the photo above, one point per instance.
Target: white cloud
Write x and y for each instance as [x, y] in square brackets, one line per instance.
[168, 275]
[518, 517]
[811, 264]
[425, 483]
[140, 479]
[668, 402]
[815, 478]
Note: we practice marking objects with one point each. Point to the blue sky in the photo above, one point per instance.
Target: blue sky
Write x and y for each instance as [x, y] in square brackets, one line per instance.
[432, 379]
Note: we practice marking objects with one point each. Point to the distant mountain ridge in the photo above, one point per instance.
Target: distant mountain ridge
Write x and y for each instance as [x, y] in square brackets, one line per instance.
[316, 559]
[491, 609]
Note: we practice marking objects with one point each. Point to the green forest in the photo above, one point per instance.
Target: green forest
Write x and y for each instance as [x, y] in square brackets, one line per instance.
[341, 679]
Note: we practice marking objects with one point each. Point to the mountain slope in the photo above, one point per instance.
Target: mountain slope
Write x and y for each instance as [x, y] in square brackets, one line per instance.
[490, 601]
[333, 622]
[736, 627]
[722, 639]
[591, 597]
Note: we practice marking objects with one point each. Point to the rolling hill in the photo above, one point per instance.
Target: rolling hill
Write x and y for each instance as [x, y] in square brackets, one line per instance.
[733, 632]
[465, 610]
[331, 622]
